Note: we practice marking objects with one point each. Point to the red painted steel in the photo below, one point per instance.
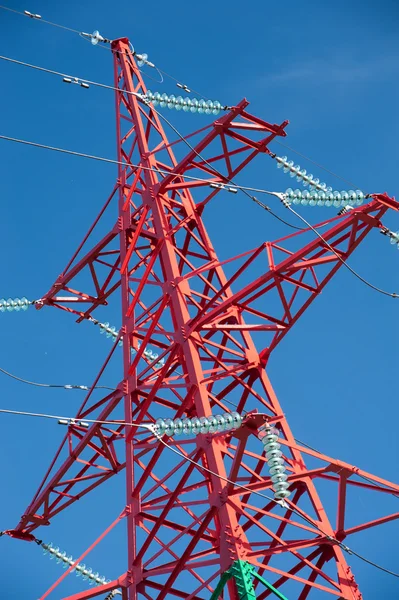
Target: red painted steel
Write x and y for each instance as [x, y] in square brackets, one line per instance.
[187, 526]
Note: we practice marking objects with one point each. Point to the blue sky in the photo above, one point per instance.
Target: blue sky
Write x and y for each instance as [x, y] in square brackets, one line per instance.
[331, 68]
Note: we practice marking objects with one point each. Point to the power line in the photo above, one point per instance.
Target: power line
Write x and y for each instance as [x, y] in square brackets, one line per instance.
[162, 72]
[139, 96]
[102, 85]
[252, 198]
[257, 493]
[315, 163]
[104, 387]
[53, 385]
[230, 181]
[39, 18]
[370, 285]
[74, 419]
[59, 74]
[198, 465]
[118, 162]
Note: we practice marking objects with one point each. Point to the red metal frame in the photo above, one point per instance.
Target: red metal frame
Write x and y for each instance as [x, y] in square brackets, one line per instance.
[186, 526]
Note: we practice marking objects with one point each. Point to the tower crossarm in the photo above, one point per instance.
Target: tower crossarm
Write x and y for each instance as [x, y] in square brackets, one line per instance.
[292, 278]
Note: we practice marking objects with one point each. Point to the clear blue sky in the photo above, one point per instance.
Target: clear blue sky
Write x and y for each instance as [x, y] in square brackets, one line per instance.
[331, 68]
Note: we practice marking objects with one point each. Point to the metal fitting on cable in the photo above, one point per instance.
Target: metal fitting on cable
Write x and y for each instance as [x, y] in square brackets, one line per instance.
[80, 569]
[182, 86]
[73, 422]
[95, 37]
[112, 594]
[268, 435]
[197, 425]
[345, 209]
[394, 236]
[32, 15]
[222, 186]
[75, 80]
[76, 387]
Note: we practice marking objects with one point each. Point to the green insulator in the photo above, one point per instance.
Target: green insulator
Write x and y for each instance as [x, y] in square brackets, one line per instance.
[282, 495]
[208, 107]
[273, 454]
[170, 426]
[307, 179]
[172, 101]
[294, 172]
[160, 426]
[314, 183]
[229, 421]
[213, 424]
[221, 421]
[194, 105]
[337, 199]
[164, 100]
[344, 198]
[289, 194]
[301, 175]
[274, 462]
[201, 106]
[297, 196]
[322, 199]
[187, 426]
[179, 103]
[178, 427]
[329, 198]
[288, 166]
[195, 425]
[277, 469]
[281, 160]
[268, 446]
[352, 198]
[269, 437]
[186, 104]
[204, 425]
[217, 107]
[314, 196]
[279, 478]
[54, 551]
[237, 420]
[305, 198]
[282, 485]
[359, 197]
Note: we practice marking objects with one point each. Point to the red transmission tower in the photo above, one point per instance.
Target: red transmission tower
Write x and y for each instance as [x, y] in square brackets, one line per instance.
[189, 530]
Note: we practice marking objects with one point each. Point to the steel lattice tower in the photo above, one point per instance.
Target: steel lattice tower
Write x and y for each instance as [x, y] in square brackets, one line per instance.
[188, 529]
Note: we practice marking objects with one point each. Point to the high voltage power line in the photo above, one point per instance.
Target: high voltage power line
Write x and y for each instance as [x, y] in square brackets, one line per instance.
[207, 470]
[244, 190]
